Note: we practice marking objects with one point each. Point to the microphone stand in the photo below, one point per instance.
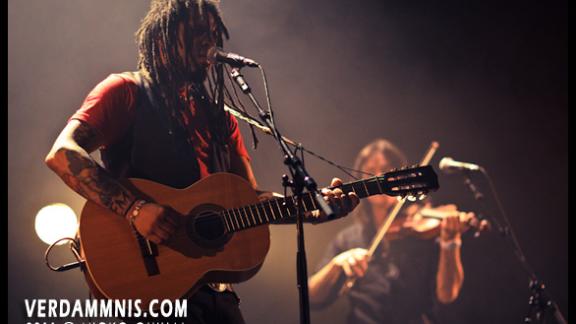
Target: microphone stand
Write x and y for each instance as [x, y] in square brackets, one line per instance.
[479, 197]
[300, 180]
[539, 303]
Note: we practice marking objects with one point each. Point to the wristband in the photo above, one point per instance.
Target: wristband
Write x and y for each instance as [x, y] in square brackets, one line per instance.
[450, 245]
[136, 211]
[130, 207]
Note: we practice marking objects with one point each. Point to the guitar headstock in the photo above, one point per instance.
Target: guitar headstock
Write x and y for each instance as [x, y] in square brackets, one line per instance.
[411, 182]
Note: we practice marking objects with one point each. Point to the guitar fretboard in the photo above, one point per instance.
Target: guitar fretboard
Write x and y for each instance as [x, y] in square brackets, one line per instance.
[237, 219]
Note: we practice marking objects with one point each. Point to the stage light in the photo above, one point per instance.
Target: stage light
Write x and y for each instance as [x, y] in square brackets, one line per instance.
[54, 222]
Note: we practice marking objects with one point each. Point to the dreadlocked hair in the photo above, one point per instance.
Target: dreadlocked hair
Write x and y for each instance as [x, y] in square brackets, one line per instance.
[157, 40]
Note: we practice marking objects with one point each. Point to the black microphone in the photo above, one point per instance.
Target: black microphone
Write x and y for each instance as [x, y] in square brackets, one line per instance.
[218, 55]
[448, 165]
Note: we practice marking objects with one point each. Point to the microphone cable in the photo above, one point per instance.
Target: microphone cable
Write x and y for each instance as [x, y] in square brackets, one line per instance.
[539, 300]
[507, 229]
[299, 146]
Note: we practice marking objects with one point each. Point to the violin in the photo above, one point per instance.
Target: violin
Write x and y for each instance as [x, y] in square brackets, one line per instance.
[425, 223]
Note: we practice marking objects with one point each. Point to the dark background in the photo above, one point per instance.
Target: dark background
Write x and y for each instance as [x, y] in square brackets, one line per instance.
[487, 79]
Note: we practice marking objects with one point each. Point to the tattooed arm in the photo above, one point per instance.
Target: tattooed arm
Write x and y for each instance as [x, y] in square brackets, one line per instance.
[70, 159]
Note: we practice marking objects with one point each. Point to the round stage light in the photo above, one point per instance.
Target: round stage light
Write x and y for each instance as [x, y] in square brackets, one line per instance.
[54, 222]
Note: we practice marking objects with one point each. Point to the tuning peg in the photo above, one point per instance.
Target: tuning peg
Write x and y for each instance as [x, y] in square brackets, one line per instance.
[411, 198]
[422, 196]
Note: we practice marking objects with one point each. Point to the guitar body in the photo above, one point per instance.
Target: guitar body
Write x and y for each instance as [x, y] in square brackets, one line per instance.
[117, 265]
[223, 234]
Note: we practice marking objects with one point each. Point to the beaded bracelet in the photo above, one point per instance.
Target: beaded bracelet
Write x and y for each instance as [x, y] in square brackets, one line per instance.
[136, 211]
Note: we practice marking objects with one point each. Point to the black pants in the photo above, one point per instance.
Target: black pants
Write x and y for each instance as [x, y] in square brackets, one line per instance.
[206, 306]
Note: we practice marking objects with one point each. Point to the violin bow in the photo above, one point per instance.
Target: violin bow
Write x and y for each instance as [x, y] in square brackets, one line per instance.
[377, 240]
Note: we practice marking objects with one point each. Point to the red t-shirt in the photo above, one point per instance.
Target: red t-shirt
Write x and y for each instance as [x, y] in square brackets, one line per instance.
[110, 109]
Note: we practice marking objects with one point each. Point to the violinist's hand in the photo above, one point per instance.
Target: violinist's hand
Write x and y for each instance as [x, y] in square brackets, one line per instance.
[353, 262]
[336, 198]
[451, 228]
[455, 223]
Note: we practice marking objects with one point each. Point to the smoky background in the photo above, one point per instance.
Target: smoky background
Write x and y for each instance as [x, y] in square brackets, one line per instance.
[486, 79]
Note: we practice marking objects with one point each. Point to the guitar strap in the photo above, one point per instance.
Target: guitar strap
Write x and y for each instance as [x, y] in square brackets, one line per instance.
[220, 155]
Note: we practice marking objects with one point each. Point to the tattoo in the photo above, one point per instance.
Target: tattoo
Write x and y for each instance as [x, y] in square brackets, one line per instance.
[86, 177]
[84, 136]
[94, 183]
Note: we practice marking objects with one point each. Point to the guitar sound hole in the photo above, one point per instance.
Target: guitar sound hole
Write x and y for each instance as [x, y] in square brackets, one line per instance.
[206, 227]
[209, 226]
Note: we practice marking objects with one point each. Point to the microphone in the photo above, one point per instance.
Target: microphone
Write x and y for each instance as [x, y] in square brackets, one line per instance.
[218, 55]
[448, 165]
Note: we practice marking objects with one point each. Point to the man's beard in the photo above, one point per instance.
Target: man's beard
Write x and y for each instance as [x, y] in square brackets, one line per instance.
[199, 75]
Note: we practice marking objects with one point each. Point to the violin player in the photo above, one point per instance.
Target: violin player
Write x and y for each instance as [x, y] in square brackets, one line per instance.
[417, 268]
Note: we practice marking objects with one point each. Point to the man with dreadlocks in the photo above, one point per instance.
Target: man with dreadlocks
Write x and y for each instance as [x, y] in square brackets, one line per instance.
[165, 123]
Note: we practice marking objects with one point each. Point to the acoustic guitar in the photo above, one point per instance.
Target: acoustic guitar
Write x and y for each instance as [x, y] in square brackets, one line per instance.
[223, 234]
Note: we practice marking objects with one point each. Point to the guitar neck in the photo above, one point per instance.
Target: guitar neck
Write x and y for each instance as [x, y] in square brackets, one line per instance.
[237, 219]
